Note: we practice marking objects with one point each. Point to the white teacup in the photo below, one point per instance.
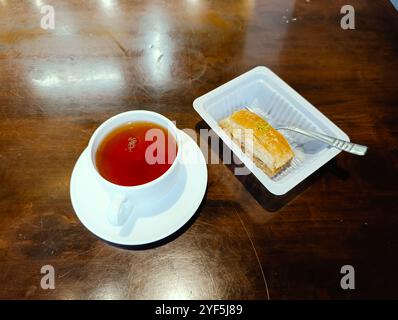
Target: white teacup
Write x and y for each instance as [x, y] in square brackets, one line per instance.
[124, 198]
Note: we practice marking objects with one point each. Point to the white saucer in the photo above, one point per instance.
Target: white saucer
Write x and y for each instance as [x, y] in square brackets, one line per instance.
[151, 221]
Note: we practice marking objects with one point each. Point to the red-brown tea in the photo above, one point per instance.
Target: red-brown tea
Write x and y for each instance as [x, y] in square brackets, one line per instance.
[123, 156]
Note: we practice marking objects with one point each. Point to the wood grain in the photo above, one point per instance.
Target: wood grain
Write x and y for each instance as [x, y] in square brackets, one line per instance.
[106, 57]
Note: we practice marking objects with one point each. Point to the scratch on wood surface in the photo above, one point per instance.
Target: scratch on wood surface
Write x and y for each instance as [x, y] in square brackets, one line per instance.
[255, 252]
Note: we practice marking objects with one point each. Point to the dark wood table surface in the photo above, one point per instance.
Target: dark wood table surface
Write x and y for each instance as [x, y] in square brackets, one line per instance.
[106, 57]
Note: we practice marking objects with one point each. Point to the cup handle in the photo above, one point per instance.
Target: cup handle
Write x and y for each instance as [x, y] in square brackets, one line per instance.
[119, 210]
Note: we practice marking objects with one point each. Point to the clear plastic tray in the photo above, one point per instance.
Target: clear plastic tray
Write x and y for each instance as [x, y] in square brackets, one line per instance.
[268, 95]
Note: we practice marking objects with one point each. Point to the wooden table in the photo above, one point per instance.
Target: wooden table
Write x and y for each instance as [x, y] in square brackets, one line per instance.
[106, 57]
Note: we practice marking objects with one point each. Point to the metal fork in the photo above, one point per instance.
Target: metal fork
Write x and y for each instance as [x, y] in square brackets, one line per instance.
[357, 149]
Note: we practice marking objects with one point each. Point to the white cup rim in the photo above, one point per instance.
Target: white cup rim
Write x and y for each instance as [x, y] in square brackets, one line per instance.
[171, 127]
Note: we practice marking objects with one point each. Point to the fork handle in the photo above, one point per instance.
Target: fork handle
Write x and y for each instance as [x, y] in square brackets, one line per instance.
[346, 146]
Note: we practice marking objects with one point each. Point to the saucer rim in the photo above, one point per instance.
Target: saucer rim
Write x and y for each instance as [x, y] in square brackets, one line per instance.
[196, 204]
